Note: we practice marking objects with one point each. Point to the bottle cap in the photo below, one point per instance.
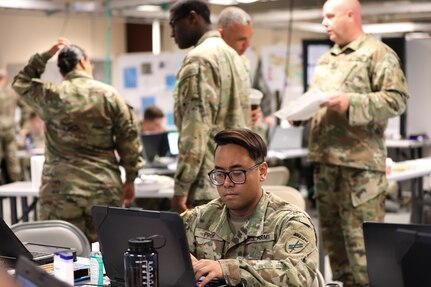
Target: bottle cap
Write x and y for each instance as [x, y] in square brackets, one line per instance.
[95, 247]
[140, 243]
[66, 255]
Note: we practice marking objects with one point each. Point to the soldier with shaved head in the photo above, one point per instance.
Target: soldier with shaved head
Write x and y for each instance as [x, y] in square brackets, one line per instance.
[365, 86]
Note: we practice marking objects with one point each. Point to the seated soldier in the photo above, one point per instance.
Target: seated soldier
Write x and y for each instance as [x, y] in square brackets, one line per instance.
[249, 236]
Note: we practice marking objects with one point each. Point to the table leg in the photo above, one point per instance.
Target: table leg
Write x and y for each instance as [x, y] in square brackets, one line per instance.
[24, 208]
[13, 212]
[1, 207]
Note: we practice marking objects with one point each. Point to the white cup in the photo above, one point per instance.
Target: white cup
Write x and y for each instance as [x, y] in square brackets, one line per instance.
[36, 166]
[255, 98]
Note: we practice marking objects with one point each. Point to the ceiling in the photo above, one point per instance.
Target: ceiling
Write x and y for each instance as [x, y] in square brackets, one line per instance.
[399, 15]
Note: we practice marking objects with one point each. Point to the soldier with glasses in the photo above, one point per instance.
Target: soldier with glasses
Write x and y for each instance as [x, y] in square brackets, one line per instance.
[249, 236]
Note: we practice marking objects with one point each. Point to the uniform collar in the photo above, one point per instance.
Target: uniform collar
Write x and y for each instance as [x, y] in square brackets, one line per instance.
[207, 35]
[254, 225]
[352, 46]
[77, 74]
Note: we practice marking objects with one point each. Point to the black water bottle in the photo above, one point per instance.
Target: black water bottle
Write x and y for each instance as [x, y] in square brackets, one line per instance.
[141, 263]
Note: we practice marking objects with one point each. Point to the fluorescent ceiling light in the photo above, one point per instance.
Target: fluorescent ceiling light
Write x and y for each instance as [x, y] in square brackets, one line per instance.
[149, 8]
[247, 1]
[223, 2]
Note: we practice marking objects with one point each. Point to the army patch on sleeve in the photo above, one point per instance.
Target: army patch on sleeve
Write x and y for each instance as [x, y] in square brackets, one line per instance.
[295, 245]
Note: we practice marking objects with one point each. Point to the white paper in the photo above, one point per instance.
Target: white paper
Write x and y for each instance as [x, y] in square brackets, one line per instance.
[303, 107]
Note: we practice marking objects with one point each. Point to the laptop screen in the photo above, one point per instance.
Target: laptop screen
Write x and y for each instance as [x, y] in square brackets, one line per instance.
[154, 144]
[115, 226]
[387, 247]
[286, 138]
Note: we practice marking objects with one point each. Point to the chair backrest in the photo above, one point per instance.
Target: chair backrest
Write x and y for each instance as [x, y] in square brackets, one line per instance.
[53, 232]
[277, 175]
[287, 193]
[318, 280]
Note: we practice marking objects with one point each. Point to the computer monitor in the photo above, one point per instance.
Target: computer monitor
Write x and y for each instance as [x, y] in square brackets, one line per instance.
[154, 144]
[163, 144]
[393, 252]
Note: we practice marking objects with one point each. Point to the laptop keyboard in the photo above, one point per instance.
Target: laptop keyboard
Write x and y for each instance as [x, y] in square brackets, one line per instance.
[37, 254]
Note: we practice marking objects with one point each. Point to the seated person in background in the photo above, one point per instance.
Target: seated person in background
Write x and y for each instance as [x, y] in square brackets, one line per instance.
[249, 236]
[33, 133]
[154, 120]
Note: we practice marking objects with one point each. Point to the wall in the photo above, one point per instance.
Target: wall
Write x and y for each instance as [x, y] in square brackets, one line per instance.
[22, 35]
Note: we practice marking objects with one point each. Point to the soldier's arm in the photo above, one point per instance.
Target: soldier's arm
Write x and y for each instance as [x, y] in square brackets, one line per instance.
[198, 89]
[293, 264]
[127, 141]
[28, 83]
[390, 94]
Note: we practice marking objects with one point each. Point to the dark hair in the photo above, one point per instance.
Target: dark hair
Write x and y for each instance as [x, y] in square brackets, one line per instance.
[153, 112]
[245, 138]
[182, 8]
[69, 57]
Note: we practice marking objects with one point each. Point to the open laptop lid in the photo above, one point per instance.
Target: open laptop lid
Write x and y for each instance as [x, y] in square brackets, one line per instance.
[29, 274]
[154, 144]
[286, 138]
[11, 248]
[383, 245]
[115, 226]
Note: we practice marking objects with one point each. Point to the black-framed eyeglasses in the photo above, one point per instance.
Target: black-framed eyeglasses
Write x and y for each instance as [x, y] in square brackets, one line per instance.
[174, 21]
[218, 177]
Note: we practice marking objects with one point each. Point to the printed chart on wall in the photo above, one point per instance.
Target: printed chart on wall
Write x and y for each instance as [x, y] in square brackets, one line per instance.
[145, 79]
[274, 69]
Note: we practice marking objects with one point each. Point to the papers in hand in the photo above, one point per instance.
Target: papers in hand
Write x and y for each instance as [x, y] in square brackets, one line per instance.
[303, 107]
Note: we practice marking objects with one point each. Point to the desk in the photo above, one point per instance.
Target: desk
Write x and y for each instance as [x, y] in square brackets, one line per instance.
[415, 147]
[413, 170]
[22, 189]
[288, 153]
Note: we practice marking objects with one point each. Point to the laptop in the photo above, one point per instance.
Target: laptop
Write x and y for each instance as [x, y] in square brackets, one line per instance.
[286, 138]
[11, 248]
[28, 274]
[390, 252]
[115, 226]
[154, 144]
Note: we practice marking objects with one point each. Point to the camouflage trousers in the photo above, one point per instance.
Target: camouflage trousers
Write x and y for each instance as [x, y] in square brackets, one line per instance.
[8, 149]
[341, 221]
[74, 209]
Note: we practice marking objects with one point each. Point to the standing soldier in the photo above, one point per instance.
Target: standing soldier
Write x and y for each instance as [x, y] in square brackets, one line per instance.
[86, 123]
[9, 100]
[212, 94]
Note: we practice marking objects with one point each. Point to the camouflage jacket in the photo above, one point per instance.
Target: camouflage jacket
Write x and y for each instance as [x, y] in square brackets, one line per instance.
[9, 100]
[275, 247]
[212, 94]
[85, 122]
[369, 72]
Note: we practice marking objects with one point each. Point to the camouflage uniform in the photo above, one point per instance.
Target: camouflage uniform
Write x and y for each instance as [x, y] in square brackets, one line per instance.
[85, 122]
[349, 148]
[275, 247]
[9, 100]
[212, 94]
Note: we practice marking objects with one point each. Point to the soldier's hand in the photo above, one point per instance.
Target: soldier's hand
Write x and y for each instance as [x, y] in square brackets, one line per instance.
[209, 269]
[129, 193]
[178, 203]
[59, 44]
[256, 115]
[338, 102]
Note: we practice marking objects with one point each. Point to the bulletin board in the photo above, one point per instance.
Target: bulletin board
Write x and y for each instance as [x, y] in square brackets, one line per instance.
[145, 79]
